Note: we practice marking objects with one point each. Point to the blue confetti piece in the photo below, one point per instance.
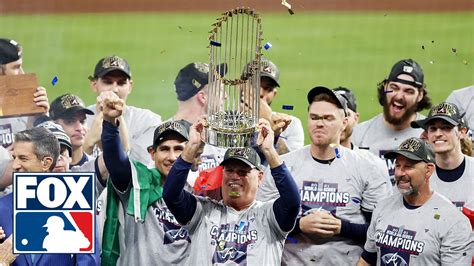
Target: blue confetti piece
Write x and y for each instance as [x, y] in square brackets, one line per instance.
[203, 187]
[287, 107]
[55, 80]
[291, 240]
[356, 200]
[267, 46]
[214, 43]
[241, 226]
[338, 155]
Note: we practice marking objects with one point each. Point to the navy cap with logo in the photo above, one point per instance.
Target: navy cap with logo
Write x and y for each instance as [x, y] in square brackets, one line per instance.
[10, 51]
[164, 131]
[109, 64]
[247, 155]
[60, 134]
[348, 96]
[413, 149]
[341, 102]
[408, 67]
[193, 77]
[446, 111]
[66, 105]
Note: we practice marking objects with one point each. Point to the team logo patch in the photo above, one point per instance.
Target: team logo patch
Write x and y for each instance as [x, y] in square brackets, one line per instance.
[443, 109]
[53, 213]
[407, 69]
[390, 165]
[411, 145]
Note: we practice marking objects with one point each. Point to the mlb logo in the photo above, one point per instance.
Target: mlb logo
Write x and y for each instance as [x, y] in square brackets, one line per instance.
[54, 213]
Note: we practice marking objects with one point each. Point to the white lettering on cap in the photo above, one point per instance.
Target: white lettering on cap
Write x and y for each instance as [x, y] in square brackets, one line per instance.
[407, 69]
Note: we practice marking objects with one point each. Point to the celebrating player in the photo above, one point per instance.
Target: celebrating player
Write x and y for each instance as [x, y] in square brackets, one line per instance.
[416, 226]
[339, 188]
[403, 94]
[453, 176]
[239, 229]
[152, 234]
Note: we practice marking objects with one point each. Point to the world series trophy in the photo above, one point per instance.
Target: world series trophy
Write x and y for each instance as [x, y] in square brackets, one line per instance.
[234, 92]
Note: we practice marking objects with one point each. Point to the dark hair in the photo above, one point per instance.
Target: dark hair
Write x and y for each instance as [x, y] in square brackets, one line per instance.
[45, 143]
[425, 102]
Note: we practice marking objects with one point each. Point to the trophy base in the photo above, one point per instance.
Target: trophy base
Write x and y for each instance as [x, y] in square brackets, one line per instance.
[229, 139]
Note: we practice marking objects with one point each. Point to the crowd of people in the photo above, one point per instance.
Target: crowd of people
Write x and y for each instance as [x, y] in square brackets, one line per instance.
[396, 189]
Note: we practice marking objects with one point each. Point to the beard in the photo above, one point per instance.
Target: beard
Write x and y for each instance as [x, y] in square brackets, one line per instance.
[409, 111]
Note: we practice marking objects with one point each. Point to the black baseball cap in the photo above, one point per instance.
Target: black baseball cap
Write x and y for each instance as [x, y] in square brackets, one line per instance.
[175, 128]
[67, 104]
[348, 96]
[341, 102]
[409, 67]
[246, 155]
[10, 51]
[193, 77]
[447, 111]
[109, 64]
[413, 149]
[60, 134]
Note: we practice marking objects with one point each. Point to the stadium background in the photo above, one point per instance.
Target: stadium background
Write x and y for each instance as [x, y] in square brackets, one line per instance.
[350, 43]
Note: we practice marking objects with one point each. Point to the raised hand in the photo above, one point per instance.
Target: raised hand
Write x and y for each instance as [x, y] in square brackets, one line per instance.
[112, 106]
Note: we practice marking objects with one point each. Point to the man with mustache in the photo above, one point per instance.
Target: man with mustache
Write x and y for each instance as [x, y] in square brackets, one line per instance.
[402, 94]
[417, 226]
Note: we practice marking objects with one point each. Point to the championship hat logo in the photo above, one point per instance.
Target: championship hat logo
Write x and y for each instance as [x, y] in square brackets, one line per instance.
[54, 213]
[411, 145]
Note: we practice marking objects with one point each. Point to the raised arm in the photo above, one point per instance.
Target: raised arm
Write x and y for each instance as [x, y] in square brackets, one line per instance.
[181, 203]
[116, 160]
[286, 207]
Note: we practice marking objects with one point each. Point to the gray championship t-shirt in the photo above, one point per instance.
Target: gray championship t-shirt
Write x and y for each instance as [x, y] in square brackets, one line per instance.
[435, 233]
[344, 188]
[159, 240]
[460, 191]
[221, 235]
[380, 139]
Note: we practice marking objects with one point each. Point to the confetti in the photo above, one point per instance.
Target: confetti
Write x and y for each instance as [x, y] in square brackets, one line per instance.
[431, 62]
[464, 62]
[203, 187]
[241, 226]
[313, 258]
[287, 107]
[432, 41]
[234, 194]
[267, 46]
[287, 5]
[423, 47]
[179, 27]
[55, 80]
[436, 216]
[291, 240]
[454, 50]
[214, 43]
[336, 149]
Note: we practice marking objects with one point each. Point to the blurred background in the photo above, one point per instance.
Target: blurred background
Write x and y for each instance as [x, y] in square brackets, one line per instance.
[350, 43]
